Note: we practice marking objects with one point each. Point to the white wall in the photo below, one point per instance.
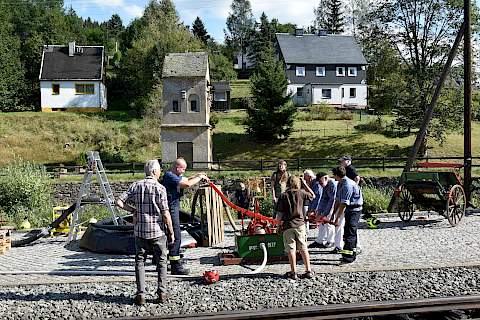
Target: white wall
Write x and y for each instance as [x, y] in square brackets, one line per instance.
[336, 97]
[67, 97]
[360, 99]
[292, 89]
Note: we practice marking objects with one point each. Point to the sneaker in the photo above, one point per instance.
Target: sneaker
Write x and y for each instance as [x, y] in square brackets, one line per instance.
[139, 299]
[335, 251]
[315, 244]
[309, 274]
[162, 298]
[291, 275]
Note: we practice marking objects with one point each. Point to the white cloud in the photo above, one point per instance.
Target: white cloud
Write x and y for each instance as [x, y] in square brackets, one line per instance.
[133, 10]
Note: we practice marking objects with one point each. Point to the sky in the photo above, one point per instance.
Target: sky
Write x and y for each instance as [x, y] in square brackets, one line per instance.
[212, 12]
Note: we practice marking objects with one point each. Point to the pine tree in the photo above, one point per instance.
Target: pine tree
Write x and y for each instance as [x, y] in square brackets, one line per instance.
[263, 38]
[329, 16]
[199, 31]
[335, 21]
[271, 114]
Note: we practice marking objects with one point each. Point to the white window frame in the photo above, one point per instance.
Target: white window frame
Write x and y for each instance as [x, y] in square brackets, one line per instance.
[298, 73]
[324, 97]
[354, 73]
[341, 74]
[321, 73]
[350, 92]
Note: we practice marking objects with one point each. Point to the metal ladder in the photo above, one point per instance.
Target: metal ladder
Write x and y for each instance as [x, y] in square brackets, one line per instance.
[94, 166]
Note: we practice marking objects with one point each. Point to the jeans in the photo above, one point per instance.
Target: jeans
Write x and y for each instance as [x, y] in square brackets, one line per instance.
[174, 249]
[350, 234]
[159, 248]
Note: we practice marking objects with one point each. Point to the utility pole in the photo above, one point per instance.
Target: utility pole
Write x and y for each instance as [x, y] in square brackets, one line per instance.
[467, 100]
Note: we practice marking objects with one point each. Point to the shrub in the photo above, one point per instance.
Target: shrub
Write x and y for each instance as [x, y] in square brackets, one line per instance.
[25, 191]
[374, 125]
[266, 205]
[375, 200]
[239, 103]
[213, 120]
[324, 111]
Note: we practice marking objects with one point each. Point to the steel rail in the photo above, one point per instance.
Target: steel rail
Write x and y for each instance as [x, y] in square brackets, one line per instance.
[337, 311]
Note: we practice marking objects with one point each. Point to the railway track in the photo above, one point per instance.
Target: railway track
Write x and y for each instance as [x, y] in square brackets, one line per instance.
[338, 311]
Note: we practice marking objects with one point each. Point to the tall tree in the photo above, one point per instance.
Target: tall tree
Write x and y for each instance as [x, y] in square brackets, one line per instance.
[329, 16]
[221, 68]
[262, 39]
[357, 15]
[271, 114]
[115, 25]
[12, 75]
[199, 31]
[422, 32]
[240, 23]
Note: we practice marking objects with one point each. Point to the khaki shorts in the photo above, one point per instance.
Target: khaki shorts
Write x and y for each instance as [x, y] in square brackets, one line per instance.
[295, 239]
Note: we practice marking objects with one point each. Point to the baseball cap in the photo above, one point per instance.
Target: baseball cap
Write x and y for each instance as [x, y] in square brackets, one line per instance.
[345, 158]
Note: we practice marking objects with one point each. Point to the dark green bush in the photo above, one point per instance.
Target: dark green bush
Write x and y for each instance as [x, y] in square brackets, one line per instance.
[375, 125]
[25, 191]
[324, 111]
[239, 103]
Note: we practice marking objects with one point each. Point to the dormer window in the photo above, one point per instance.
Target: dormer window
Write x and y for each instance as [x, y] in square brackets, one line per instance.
[340, 71]
[320, 72]
[352, 71]
[300, 71]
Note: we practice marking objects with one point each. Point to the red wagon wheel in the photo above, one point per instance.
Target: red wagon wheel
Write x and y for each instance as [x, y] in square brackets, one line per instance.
[406, 207]
[455, 205]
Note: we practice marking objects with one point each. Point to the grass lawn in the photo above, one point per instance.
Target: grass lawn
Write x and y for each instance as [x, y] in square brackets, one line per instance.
[240, 88]
[64, 137]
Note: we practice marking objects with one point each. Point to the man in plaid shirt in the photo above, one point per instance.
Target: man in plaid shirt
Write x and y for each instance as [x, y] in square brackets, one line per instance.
[147, 201]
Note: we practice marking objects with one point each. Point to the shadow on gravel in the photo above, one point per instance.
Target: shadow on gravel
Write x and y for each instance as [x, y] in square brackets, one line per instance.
[88, 259]
[401, 225]
[57, 296]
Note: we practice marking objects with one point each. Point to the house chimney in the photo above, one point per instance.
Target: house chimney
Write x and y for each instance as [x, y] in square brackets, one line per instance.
[322, 32]
[71, 49]
[299, 32]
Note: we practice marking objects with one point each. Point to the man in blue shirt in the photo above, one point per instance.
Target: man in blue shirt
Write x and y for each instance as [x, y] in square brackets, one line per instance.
[348, 204]
[174, 183]
[326, 232]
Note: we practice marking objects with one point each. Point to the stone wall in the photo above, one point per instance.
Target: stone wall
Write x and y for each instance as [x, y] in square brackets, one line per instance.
[66, 193]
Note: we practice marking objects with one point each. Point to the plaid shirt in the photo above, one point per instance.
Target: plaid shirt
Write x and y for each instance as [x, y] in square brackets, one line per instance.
[149, 198]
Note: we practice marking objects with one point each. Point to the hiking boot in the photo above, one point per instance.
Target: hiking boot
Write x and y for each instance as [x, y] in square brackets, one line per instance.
[309, 274]
[139, 299]
[178, 269]
[162, 298]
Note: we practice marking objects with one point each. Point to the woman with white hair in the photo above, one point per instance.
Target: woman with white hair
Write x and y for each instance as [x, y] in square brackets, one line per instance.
[311, 205]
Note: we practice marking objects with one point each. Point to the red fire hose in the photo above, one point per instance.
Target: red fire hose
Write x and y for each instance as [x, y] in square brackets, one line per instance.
[251, 214]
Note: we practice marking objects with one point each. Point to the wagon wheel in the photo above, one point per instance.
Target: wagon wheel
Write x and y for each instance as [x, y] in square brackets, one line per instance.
[455, 205]
[405, 205]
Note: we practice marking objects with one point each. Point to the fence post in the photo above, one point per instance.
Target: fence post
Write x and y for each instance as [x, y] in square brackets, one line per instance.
[261, 164]
[298, 164]
[383, 163]
[218, 164]
[133, 168]
[347, 129]
[324, 132]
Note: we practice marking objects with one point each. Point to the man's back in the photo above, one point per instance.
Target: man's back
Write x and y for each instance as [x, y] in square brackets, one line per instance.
[290, 205]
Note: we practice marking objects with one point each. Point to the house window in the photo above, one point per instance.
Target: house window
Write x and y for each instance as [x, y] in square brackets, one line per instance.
[300, 72]
[352, 71]
[193, 101]
[300, 92]
[320, 72]
[326, 93]
[84, 88]
[175, 106]
[343, 92]
[340, 71]
[55, 88]
[353, 92]
[220, 96]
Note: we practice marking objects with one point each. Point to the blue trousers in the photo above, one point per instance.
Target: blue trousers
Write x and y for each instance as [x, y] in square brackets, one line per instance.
[174, 249]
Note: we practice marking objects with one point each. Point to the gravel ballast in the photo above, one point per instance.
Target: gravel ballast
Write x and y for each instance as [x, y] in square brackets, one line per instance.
[106, 300]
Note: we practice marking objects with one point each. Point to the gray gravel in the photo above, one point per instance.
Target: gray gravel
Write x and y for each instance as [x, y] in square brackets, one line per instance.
[106, 300]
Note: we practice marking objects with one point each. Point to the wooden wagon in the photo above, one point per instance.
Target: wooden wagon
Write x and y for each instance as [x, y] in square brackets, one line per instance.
[432, 186]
